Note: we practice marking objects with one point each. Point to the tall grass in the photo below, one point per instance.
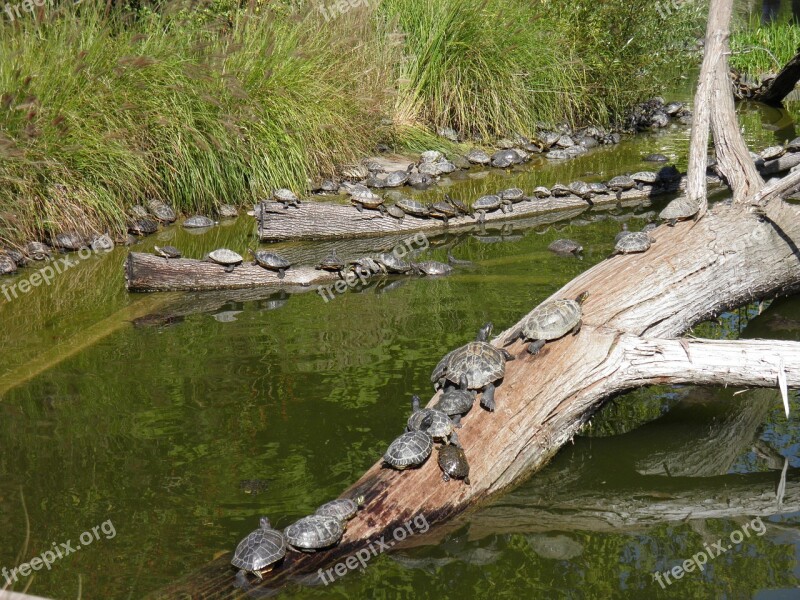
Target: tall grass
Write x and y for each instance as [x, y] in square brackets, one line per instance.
[199, 106]
[757, 49]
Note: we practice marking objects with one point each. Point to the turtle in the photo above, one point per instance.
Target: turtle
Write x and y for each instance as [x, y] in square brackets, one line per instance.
[620, 183]
[411, 449]
[429, 169]
[448, 133]
[286, 197]
[270, 261]
[443, 210]
[396, 212]
[143, 226]
[398, 178]
[773, 152]
[19, 258]
[453, 461]
[368, 199]
[680, 209]
[557, 155]
[314, 532]
[565, 246]
[197, 222]
[343, 509]
[161, 211]
[430, 156]
[37, 251]
[259, 550]
[420, 180]
[645, 177]
[138, 212]
[374, 181]
[432, 268]
[504, 159]
[227, 211]
[582, 190]
[365, 265]
[7, 264]
[560, 190]
[354, 172]
[488, 203]
[373, 166]
[674, 108]
[445, 167]
[479, 361]
[549, 321]
[69, 240]
[227, 258]
[565, 141]
[635, 241]
[328, 186]
[512, 195]
[541, 192]
[479, 157]
[456, 402]
[461, 162]
[794, 145]
[599, 188]
[331, 263]
[167, 251]
[391, 263]
[458, 205]
[434, 422]
[650, 227]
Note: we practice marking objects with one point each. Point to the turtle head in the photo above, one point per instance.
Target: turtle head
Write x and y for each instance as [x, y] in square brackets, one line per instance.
[485, 332]
[264, 522]
[415, 403]
[463, 382]
[250, 250]
[582, 297]
[359, 500]
[454, 440]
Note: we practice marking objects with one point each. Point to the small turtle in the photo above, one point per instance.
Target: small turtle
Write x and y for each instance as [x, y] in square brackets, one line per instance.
[582, 189]
[635, 241]
[541, 192]
[314, 532]
[429, 169]
[365, 265]
[655, 158]
[331, 263]
[343, 509]
[436, 423]
[227, 258]
[413, 208]
[144, 226]
[489, 203]
[773, 152]
[645, 177]
[374, 181]
[410, 449]
[420, 181]
[258, 550]
[286, 197]
[503, 159]
[391, 263]
[456, 402]
[354, 172]
[167, 251]
[161, 211]
[430, 156]
[448, 133]
[599, 188]
[479, 361]
[680, 209]
[7, 264]
[37, 251]
[453, 461]
[197, 222]
[69, 240]
[565, 246]
[270, 261]
[432, 268]
[368, 199]
[138, 211]
[443, 210]
[396, 212]
[458, 205]
[621, 182]
[560, 190]
[512, 195]
[445, 167]
[549, 321]
[328, 186]
[673, 109]
[373, 166]
[19, 258]
[227, 211]
[478, 157]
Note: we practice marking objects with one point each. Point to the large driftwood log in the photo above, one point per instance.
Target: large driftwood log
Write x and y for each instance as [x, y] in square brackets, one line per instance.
[782, 85]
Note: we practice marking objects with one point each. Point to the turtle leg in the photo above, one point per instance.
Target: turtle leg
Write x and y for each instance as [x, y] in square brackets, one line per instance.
[487, 398]
[481, 216]
[281, 273]
[507, 355]
[577, 327]
[535, 346]
[359, 208]
[467, 481]
[382, 210]
[445, 220]
[229, 269]
[445, 477]
[456, 421]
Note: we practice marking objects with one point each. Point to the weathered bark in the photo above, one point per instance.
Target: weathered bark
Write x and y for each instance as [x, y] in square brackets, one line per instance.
[782, 85]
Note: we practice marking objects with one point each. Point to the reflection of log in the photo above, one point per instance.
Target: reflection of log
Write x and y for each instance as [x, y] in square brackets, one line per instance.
[782, 85]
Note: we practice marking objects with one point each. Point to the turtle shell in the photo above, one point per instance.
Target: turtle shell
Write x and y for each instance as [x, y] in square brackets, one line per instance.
[161, 211]
[541, 192]
[444, 208]
[441, 426]
[621, 182]
[223, 256]
[139, 211]
[565, 246]
[559, 190]
[367, 199]
[7, 264]
[773, 152]
[168, 251]
[396, 212]
[396, 179]
[680, 208]
[431, 156]
[259, 549]
[648, 177]
[227, 211]
[478, 157]
[481, 362]
[284, 195]
[331, 263]
[434, 268]
[453, 462]
[271, 260]
[412, 207]
[455, 402]
[409, 450]
[37, 251]
[354, 172]
[143, 226]
[342, 509]
[552, 320]
[635, 241]
[314, 532]
[490, 202]
[513, 194]
[69, 240]
[392, 263]
[505, 158]
[197, 221]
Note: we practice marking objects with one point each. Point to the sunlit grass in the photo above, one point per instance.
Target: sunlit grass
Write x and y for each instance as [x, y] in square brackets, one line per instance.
[759, 49]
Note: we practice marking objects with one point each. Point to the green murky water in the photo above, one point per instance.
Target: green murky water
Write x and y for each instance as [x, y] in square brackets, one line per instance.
[147, 427]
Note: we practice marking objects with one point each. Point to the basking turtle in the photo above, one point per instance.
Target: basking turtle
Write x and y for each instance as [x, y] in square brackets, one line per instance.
[396, 212]
[343, 509]
[69, 240]
[550, 321]
[582, 189]
[161, 211]
[430, 156]
[453, 461]
[227, 258]
[197, 222]
[167, 251]
[101, 243]
[560, 190]
[599, 188]
[445, 167]
[331, 263]
[413, 208]
[479, 361]
[565, 246]
[354, 172]
[328, 186]
[7, 264]
[37, 251]
[410, 449]
[227, 211]
[443, 210]
[478, 157]
[512, 195]
[655, 158]
[430, 169]
[680, 209]
[258, 550]
[489, 203]
[368, 199]
[19, 258]
[674, 108]
[503, 159]
[773, 152]
[645, 178]
[420, 181]
[314, 532]
[620, 183]
[669, 174]
[138, 211]
[432, 268]
[365, 265]
[436, 423]
[635, 241]
[144, 226]
[286, 197]
[391, 263]
[270, 261]
[541, 192]
[458, 205]
[456, 402]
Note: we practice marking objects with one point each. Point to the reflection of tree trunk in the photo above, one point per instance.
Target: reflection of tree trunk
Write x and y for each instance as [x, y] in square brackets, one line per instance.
[637, 305]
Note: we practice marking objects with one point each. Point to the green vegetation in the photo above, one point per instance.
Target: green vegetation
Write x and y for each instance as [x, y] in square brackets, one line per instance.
[223, 103]
[758, 49]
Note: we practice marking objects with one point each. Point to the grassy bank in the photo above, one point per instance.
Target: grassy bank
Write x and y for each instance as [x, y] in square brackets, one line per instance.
[758, 49]
[221, 104]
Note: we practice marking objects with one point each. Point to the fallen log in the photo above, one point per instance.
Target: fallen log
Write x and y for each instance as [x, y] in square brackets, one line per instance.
[782, 85]
[637, 305]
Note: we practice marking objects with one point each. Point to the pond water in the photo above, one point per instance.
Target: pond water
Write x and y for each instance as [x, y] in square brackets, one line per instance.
[176, 432]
